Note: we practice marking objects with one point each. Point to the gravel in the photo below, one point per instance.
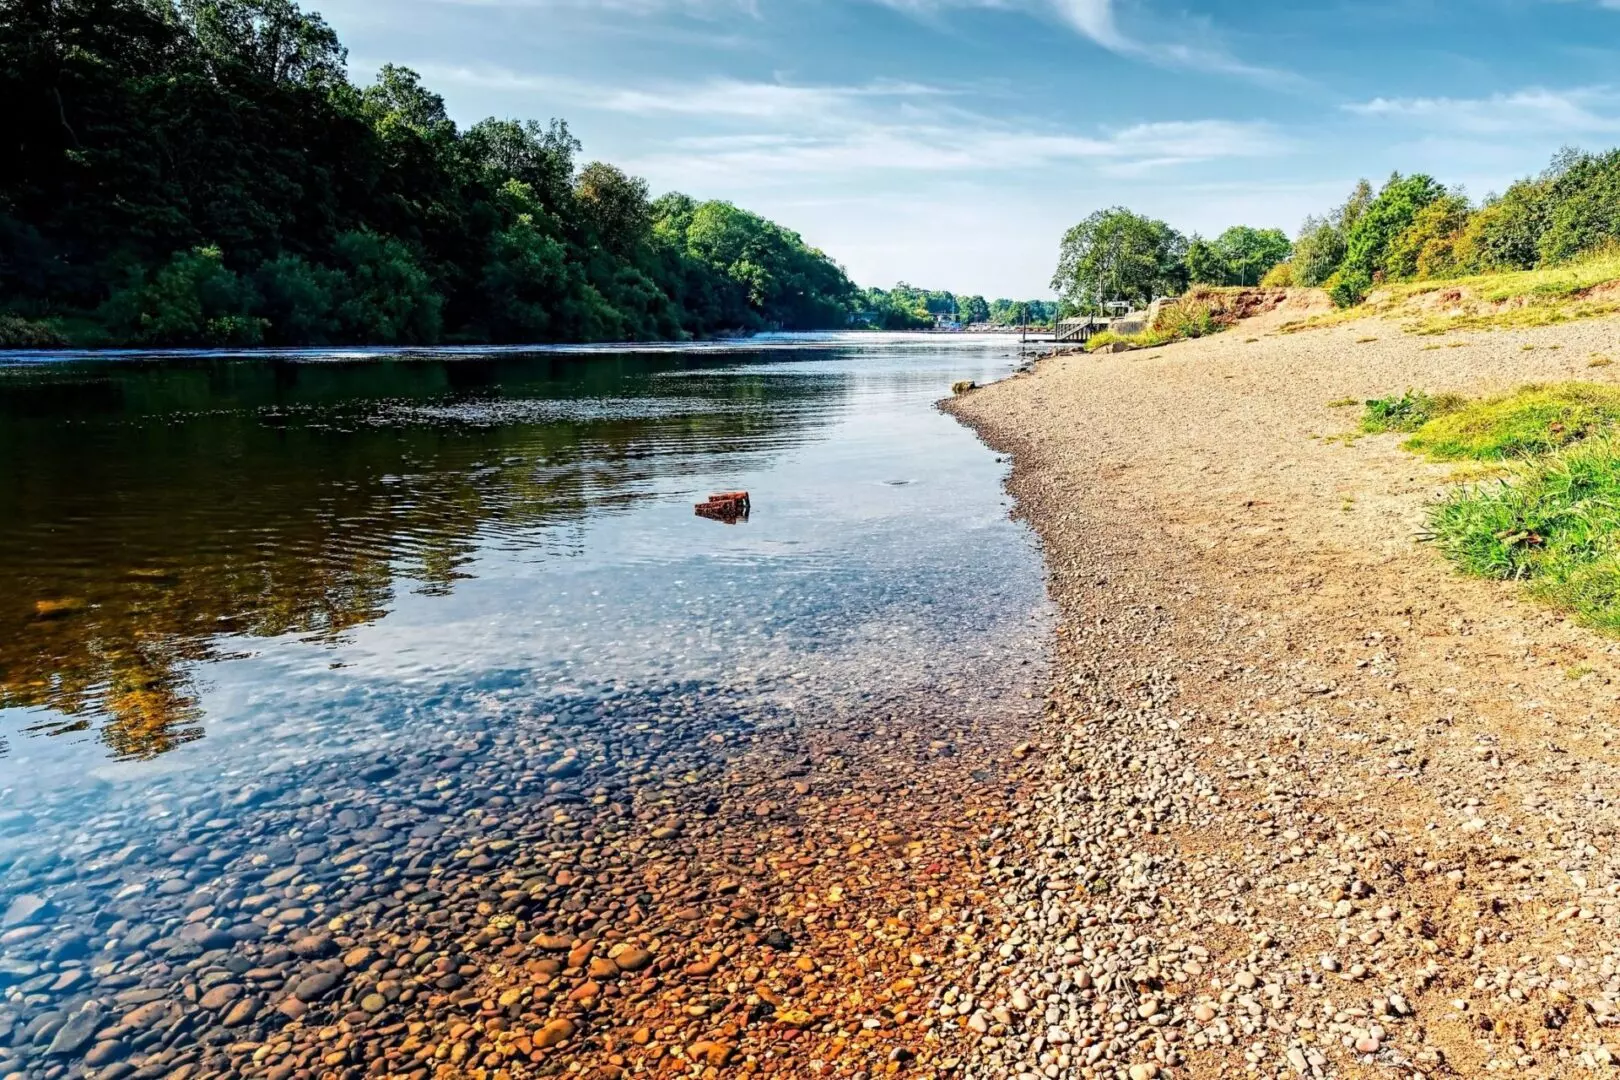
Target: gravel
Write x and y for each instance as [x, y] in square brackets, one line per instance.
[1313, 806]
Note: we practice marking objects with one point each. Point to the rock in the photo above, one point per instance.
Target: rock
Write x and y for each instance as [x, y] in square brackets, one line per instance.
[554, 1032]
[105, 1053]
[1144, 1072]
[75, 1034]
[1204, 1013]
[314, 987]
[25, 909]
[633, 959]
[711, 1053]
[242, 1012]
[374, 1003]
[220, 996]
[795, 1018]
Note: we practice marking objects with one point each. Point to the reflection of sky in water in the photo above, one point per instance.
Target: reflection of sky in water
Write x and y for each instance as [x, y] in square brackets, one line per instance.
[878, 556]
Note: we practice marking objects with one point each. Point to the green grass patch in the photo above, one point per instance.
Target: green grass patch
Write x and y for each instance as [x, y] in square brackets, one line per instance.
[1343, 403]
[1408, 412]
[1532, 420]
[1554, 524]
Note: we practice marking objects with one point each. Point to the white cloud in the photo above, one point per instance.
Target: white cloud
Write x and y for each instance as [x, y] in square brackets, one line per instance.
[717, 98]
[765, 130]
[1098, 20]
[1581, 111]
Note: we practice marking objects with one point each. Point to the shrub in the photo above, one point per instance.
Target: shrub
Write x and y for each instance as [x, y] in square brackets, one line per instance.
[193, 300]
[1584, 212]
[1347, 288]
[1425, 248]
[1532, 420]
[1280, 276]
[1505, 233]
[20, 333]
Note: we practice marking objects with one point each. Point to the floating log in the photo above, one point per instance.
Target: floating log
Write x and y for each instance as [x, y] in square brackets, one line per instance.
[727, 506]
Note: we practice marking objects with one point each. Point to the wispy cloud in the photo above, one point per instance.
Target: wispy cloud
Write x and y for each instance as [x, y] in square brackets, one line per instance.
[765, 130]
[1586, 110]
[718, 98]
[1098, 21]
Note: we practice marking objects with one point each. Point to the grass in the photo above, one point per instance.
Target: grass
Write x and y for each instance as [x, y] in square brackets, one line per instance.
[1554, 524]
[1530, 421]
[1409, 412]
[1202, 312]
[1513, 300]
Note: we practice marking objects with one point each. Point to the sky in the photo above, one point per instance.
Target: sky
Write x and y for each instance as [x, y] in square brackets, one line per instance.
[949, 143]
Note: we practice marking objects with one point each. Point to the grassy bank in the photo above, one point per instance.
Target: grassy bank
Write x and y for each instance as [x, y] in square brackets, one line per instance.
[1553, 520]
[1520, 299]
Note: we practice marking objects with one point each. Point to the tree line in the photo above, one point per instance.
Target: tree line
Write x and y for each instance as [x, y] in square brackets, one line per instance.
[1412, 228]
[906, 307]
[203, 172]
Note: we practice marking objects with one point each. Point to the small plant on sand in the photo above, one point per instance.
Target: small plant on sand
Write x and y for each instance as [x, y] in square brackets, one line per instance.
[1365, 340]
[1343, 403]
[1531, 420]
[1555, 525]
[1599, 360]
[1408, 412]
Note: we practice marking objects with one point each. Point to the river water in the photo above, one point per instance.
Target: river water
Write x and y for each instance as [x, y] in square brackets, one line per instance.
[276, 628]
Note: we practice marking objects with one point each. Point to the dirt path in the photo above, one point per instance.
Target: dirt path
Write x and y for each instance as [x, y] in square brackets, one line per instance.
[1315, 805]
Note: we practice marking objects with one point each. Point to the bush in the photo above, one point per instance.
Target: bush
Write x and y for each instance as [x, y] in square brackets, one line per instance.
[1532, 420]
[193, 300]
[20, 333]
[385, 296]
[1505, 233]
[1347, 288]
[1584, 212]
[1280, 276]
[1426, 248]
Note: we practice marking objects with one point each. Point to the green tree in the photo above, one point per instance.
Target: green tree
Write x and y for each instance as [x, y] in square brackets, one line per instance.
[1119, 255]
[1206, 265]
[1368, 241]
[1248, 253]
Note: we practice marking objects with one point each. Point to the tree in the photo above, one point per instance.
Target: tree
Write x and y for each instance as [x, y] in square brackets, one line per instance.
[1119, 255]
[1205, 265]
[1368, 241]
[1249, 253]
[1318, 251]
[1427, 247]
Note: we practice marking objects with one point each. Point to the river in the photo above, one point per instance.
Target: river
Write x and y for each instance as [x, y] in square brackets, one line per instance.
[308, 654]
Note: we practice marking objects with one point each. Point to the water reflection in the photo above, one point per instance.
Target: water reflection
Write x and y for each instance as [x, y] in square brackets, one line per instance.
[156, 515]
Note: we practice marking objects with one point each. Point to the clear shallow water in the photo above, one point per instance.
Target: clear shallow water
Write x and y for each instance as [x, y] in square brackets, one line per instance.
[330, 642]
[218, 569]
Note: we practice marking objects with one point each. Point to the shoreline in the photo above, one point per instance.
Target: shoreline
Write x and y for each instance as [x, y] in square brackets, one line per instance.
[1317, 806]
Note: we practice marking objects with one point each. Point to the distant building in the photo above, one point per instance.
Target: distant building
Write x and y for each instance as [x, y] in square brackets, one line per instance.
[946, 322]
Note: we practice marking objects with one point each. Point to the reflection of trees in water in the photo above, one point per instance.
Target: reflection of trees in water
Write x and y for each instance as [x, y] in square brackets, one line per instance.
[151, 510]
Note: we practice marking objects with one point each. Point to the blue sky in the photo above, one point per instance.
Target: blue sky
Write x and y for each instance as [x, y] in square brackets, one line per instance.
[950, 142]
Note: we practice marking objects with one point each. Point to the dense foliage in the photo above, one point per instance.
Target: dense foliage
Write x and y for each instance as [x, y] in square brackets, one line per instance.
[906, 307]
[203, 172]
[1410, 229]
[1413, 229]
[1118, 255]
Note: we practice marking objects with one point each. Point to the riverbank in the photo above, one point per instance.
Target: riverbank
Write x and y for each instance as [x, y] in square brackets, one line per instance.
[1316, 804]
